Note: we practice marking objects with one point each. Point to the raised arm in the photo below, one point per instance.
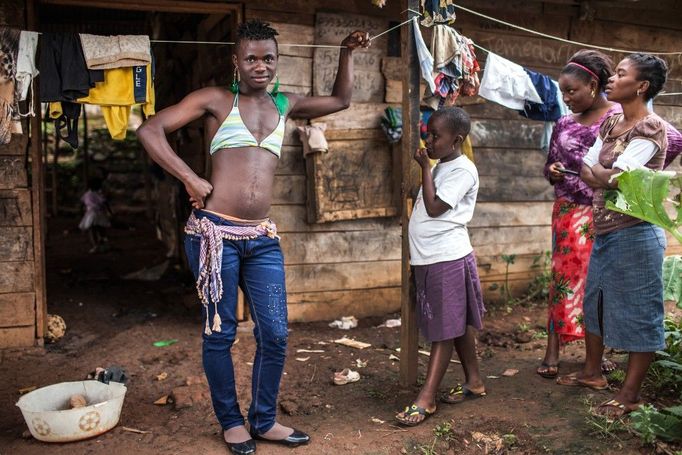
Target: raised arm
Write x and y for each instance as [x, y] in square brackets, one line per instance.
[152, 135]
[317, 106]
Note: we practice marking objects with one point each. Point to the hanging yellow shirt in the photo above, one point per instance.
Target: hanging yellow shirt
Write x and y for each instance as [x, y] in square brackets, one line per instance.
[122, 88]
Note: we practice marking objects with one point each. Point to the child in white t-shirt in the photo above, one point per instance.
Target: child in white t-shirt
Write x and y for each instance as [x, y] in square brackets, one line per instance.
[449, 300]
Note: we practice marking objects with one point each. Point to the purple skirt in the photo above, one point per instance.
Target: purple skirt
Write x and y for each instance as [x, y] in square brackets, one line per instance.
[449, 298]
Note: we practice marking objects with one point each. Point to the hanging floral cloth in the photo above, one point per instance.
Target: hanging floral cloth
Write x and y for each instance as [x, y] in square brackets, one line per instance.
[438, 12]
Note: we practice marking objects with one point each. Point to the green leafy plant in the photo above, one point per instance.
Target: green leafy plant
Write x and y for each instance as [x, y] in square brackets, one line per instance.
[444, 431]
[643, 193]
[666, 371]
[651, 424]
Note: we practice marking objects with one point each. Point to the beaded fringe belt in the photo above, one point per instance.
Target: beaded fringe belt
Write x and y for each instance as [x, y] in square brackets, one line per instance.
[209, 282]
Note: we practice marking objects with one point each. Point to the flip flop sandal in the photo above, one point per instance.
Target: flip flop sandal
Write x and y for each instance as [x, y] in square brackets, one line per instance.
[548, 371]
[461, 393]
[411, 411]
[573, 381]
[613, 410]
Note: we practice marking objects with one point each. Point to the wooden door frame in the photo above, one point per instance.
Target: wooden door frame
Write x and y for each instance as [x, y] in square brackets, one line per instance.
[166, 6]
[236, 9]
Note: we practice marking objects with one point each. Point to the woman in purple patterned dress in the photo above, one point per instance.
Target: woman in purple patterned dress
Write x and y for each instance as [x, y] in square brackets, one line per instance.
[582, 82]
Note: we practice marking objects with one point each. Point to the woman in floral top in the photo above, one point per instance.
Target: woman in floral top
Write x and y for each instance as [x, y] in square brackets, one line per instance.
[582, 82]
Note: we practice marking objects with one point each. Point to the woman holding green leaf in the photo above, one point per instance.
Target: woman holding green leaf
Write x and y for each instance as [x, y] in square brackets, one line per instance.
[623, 305]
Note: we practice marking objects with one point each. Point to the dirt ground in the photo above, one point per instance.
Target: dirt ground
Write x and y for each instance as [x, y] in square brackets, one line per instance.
[112, 321]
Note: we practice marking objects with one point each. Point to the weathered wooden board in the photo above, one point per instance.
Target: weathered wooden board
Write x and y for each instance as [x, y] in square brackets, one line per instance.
[511, 240]
[295, 71]
[368, 82]
[632, 14]
[294, 34]
[268, 14]
[521, 134]
[510, 162]
[497, 214]
[291, 161]
[16, 244]
[353, 180]
[290, 134]
[342, 276]
[294, 218]
[12, 172]
[641, 38]
[17, 337]
[508, 188]
[357, 116]
[289, 189]
[493, 268]
[394, 91]
[332, 28]
[340, 247]
[16, 146]
[16, 276]
[15, 208]
[672, 114]
[325, 306]
[17, 310]
[488, 110]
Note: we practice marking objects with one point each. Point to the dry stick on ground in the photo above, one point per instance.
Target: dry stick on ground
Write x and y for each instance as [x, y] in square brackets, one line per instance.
[314, 371]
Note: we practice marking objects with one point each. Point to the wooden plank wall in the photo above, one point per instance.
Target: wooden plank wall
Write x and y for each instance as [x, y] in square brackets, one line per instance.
[336, 268]
[17, 284]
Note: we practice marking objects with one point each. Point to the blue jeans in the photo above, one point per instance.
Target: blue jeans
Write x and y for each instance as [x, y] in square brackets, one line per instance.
[257, 266]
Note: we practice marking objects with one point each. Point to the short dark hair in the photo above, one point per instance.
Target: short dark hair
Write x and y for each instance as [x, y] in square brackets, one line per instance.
[456, 119]
[650, 68]
[255, 30]
[597, 62]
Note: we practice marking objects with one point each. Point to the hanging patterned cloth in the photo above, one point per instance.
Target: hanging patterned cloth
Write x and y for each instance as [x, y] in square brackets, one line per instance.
[438, 12]
[9, 48]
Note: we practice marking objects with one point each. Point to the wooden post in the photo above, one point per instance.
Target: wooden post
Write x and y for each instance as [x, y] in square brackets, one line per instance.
[53, 172]
[86, 158]
[410, 141]
[37, 195]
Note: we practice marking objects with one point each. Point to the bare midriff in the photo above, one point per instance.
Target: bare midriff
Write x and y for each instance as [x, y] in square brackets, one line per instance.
[242, 180]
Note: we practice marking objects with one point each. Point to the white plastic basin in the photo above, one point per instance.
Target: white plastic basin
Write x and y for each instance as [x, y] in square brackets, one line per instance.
[47, 414]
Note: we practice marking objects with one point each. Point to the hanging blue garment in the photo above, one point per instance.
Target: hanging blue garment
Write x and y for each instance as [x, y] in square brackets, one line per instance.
[548, 110]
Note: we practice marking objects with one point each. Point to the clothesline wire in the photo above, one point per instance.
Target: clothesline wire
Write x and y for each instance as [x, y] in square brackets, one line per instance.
[557, 38]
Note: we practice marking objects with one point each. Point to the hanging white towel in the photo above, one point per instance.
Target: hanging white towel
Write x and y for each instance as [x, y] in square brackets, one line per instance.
[507, 83]
[26, 62]
[425, 58]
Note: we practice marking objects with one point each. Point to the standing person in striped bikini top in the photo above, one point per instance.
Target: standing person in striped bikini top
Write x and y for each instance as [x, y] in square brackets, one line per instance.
[229, 241]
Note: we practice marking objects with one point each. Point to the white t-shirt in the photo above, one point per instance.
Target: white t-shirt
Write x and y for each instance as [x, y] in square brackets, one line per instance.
[445, 238]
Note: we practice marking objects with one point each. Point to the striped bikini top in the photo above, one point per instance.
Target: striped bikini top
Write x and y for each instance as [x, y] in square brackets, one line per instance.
[233, 133]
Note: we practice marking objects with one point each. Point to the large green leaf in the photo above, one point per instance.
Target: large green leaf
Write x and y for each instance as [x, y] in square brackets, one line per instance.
[672, 278]
[642, 194]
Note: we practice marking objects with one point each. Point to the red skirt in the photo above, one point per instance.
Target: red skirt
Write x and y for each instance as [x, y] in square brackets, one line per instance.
[572, 237]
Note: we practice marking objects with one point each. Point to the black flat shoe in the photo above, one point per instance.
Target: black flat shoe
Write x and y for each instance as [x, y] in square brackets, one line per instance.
[242, 448]
[295, 439]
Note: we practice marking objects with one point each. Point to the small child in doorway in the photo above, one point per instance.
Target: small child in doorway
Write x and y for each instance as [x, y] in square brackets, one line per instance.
[449, 300]
[96, 218]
